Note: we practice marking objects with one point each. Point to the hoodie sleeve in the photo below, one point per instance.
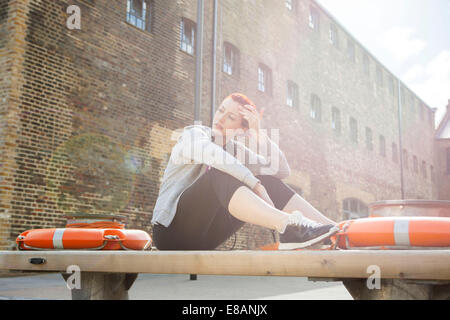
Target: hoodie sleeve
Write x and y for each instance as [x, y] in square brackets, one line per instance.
[195, 146]
[269, 161]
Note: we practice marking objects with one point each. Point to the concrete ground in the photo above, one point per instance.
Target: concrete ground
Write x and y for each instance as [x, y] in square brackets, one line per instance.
[179, 287]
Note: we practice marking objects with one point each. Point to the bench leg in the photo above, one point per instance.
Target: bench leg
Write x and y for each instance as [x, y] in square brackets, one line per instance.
[103, 286]
[397, 289]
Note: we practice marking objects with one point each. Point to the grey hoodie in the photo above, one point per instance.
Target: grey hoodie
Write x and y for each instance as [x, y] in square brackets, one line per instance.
[195, 151]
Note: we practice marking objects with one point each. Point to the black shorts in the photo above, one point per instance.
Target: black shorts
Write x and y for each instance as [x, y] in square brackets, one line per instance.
[202, 220]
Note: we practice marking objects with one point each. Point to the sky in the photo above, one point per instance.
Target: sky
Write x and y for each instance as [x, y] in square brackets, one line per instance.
[411, 38]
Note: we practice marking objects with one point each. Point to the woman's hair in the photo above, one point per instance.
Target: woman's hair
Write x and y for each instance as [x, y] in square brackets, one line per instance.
[242, 99]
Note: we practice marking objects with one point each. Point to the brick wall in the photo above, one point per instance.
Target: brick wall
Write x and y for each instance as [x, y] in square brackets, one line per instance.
[93, 109]
[444, 177]
[12, 15]
[5, 67]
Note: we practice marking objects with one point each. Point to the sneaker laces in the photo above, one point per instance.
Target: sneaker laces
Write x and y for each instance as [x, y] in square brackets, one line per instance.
[297, 218]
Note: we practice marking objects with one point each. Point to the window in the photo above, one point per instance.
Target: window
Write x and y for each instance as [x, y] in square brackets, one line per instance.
[421, 111]
[382, 146]
[379, 77]
[316, 106]
[230, 59]
[264, 79]
[391, 85]
[431, 173]
[413, 106]
[354, 209]
[138, 14]
[333, 35]
[424, 169]
[188, 36]
[351, 50]
[405, 159]
[292, 94]
[314, 18]
[448, 160]
[366, 65]
[289, 4]
[415, 164]
[394, 153]
[336, 120]
[353, 130]
[369, 141]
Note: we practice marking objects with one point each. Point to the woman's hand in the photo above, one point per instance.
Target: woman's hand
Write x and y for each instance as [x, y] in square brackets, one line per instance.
[253, 118]
[262, 193]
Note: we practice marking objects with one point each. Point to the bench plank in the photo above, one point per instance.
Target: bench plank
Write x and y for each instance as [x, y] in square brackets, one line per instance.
[394, 264]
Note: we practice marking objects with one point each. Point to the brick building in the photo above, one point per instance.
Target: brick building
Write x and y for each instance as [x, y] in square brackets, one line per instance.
[443, 155]
[86, 115]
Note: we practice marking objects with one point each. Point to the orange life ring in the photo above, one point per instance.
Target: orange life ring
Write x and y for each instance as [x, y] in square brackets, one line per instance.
[394, 232]
[76, 238]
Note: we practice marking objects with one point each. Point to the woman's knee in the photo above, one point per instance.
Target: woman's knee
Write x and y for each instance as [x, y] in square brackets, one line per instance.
[267, 180]
[224, 185]
[279, 191]
[222, 177]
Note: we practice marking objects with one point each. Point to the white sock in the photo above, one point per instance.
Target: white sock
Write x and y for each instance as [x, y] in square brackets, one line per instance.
[294, 217]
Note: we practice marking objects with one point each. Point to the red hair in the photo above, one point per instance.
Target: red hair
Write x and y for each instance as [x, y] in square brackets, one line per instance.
[242, 99]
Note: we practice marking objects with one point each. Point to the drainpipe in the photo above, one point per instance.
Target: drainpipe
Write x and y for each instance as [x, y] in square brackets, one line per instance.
[199, 57]
[400, 140]
[213, 75]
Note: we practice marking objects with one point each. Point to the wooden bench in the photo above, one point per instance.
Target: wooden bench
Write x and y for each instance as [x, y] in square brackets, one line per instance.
[405, 274]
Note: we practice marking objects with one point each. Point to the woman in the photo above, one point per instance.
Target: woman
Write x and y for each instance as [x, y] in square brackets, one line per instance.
[207, 193]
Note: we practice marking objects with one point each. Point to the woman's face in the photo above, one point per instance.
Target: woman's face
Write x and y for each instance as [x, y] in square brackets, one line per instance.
[227, 117]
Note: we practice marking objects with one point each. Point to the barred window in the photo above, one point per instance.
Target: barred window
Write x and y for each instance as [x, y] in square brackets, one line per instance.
[394, 153]
[351, 50]
[333, 35]
[366, 65]
[336, 120]
[264, 79]
[230, 59]
[316, 108]
[314, 18]
[369, 139]
[382, 141]
[391, 85]
[424, 169]
[353, 130]
[139, 13]
[379, 77]
[292, 94]
[187, 36]
[415, 164]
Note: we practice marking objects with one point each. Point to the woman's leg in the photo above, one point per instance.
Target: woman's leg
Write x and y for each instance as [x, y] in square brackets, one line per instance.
[299, 203]
[204, 207]
[286, 199]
